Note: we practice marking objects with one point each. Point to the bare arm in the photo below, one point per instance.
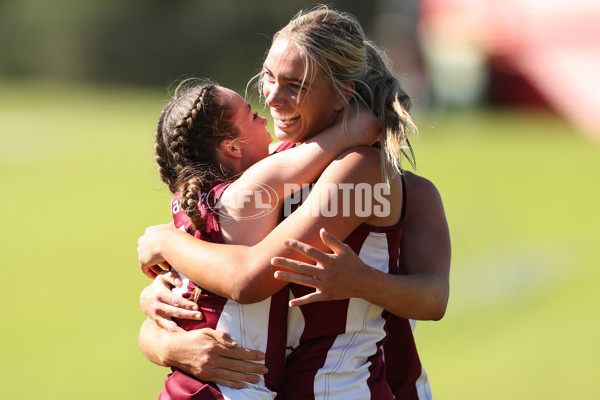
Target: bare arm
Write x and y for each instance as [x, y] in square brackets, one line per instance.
[305, 162]
[208, 264]
[420, 292]
[249, 207]
[426, 250]
[205, 353]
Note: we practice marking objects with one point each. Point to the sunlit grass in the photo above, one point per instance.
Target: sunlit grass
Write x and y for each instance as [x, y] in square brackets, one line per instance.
[80, 185]
[522, 204]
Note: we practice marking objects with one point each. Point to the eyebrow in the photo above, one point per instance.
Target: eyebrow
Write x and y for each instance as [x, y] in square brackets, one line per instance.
[286, 78]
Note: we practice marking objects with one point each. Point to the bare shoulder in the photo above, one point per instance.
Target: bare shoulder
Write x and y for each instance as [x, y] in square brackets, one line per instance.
[360, 153]
[422, 195]
[359, 165]
[358, 159]
[419, 186]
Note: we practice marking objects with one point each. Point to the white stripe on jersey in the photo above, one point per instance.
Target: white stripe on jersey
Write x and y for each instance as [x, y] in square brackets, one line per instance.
[413, 324]
[422, 385]
[181, 289]
[346, 370]
[246, 324]
[295, 327]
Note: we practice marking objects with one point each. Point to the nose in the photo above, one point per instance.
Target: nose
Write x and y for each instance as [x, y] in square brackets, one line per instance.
[263, 120]
[273, 94]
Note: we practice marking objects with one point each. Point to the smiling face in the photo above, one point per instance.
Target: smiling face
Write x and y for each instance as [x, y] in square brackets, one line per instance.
[253, 140]
[299, 108]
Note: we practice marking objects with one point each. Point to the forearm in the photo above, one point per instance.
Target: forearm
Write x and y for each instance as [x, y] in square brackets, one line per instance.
[420, 296]
[301, 165]
[221, 269]
[419, 291]
[304, 163]
[245, 274]
[424, 280]
[206, 354]
[237, 272]
[151, 341]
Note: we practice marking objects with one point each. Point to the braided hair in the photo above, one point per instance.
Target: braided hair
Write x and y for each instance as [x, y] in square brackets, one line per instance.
[188, 133]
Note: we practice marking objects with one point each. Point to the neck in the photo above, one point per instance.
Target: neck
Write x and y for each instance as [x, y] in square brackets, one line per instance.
[230, 164]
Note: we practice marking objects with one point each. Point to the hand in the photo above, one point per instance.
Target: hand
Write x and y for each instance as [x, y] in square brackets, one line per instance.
[211, 355]
[336, 276]
[160, 304]
[362, 127]
[151, 261]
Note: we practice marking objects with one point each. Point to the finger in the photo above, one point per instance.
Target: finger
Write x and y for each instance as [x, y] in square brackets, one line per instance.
[221, 337]
[172, 278]
[239, 359]
[161, 290]
[295, 265]
[333, 243]
[306, 249]
[234, 376]
[309, 298]
[167, 324]
[167, 311]
[167, 297]
[241, 367]
[297, 278]
[165, 265]
[229, 351]
[149, 273]
[233, 385]
[156, 269]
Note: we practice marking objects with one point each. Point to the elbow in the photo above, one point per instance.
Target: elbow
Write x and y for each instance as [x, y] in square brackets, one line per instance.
[438, 312]
[246, 294]
[439, 306]
[241, 295]
[152, 345]
[246, 297]
[252, 284]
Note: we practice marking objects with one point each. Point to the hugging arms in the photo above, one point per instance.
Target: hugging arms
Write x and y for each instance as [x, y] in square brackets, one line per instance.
[306, 85]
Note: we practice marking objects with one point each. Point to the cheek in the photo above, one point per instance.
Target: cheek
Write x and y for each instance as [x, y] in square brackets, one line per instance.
[266, 88]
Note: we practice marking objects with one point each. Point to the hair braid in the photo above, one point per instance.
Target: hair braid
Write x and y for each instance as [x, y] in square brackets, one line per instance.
[188, 193]
[180, 141]
[167, 173]
[188, 133]
[189, 187]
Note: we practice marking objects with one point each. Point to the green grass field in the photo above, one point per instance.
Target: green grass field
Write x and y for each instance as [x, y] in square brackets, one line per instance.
[80, 185]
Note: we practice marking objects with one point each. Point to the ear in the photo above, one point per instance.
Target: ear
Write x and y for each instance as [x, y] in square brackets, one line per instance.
[230, 148]
[347, 91]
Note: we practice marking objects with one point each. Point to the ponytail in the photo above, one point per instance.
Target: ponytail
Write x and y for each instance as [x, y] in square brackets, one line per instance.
[391, 104]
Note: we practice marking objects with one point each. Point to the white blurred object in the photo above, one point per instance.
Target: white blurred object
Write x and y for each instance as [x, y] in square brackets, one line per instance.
[553, 44]
[457, 71]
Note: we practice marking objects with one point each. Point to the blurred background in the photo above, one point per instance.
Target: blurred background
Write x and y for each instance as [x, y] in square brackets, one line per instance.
[507, 99]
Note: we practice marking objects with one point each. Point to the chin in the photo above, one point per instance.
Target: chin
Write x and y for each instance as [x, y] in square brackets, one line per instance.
[293, 137]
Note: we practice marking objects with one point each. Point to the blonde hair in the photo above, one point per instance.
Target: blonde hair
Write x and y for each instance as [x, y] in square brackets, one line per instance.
[335, 42]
